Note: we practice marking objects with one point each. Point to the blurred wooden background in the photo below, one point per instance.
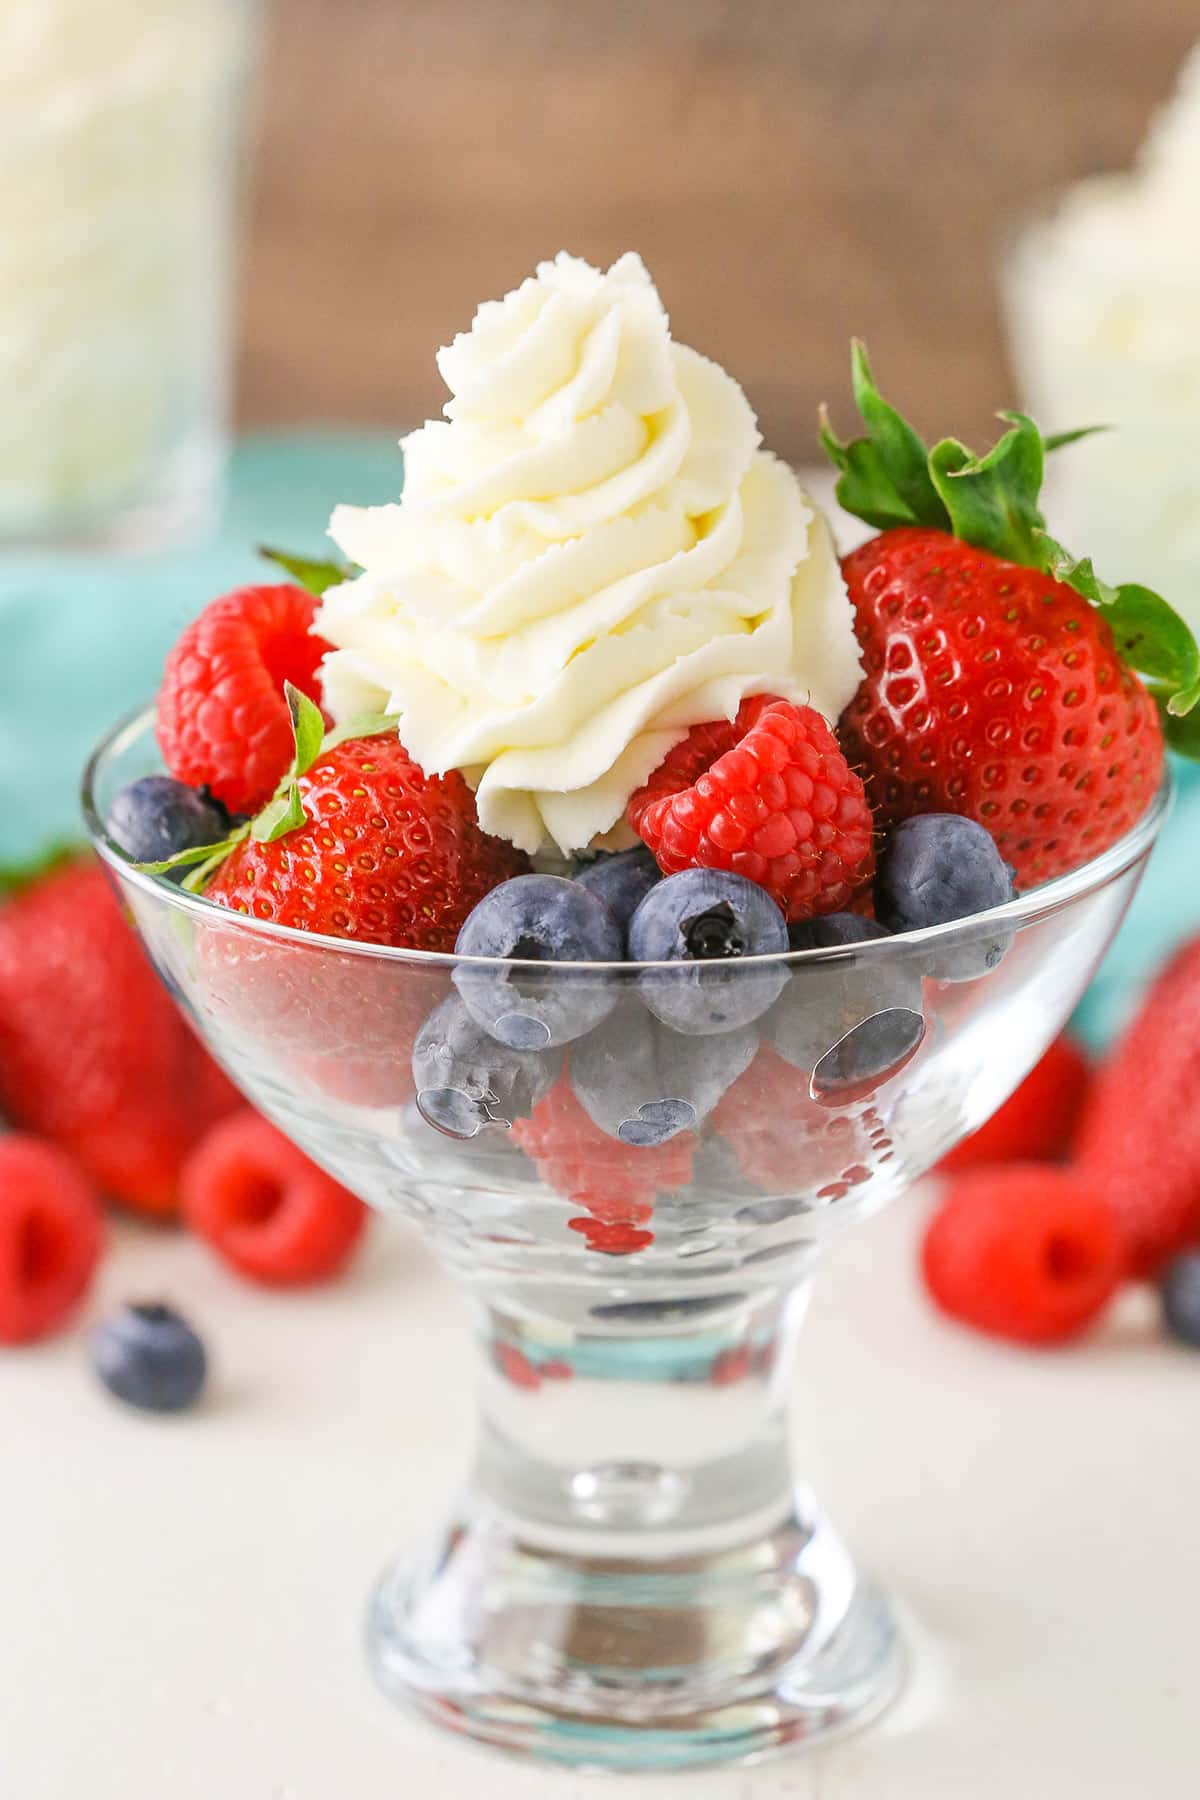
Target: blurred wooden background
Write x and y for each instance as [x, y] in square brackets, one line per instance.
[791, 171]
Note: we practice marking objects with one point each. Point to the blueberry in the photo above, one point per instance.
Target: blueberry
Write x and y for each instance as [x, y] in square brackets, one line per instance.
[847, 1020]
[151, 1358]
[466, 1080]
[708, 920]
[938, 867]
[156, 817]
[547, 919]
[832, 929]
[643, 1083]
[1180, 1295]
[622, 881]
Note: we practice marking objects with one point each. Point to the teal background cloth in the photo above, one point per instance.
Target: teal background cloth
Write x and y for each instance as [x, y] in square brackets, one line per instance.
[82, 639]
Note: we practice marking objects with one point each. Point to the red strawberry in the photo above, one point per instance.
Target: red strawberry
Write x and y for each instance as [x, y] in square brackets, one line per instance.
[1027, 1251]
[51, 1233]
[93, 1053]
[223, 721]
[1139, 1138]
[1037, 1122]
[998, 671]
[385, 854]
[768, 795]
[265, 1208]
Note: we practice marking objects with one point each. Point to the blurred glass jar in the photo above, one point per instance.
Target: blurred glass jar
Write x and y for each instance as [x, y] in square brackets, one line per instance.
[1102, 291]
[119, 139]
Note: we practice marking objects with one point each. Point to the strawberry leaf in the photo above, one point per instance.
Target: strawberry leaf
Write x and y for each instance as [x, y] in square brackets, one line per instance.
[1181, 732]
[308, 728]
[282, 814]
[1058, 440]
[186, 859]
[884, 476]
[992, 500]
[314, 573]
[1149, 633]
[16, 876]
[363, 725]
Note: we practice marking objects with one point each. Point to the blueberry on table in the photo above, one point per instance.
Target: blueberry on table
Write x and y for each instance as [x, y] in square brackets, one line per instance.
[157, 817]
[149, 1357]
[538, 919]
[466, 1080]
[847, 1021]
[708, 921]
[936, 868]
[1179, 1291]
[622, 881]
[643, 1083]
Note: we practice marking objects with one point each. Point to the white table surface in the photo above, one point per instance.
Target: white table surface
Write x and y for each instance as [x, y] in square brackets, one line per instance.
[181, 1599]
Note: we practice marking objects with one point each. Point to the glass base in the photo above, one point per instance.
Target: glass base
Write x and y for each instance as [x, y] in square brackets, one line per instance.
[600, 1659]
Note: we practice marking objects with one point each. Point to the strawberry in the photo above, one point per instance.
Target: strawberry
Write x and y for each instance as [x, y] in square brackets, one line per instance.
[1139, 1137]
[999, 671]
[93, 1053]
[359, 843]
[1038, 1120]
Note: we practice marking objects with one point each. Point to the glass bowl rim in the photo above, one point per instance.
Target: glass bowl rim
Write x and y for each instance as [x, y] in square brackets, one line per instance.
[1041, 902]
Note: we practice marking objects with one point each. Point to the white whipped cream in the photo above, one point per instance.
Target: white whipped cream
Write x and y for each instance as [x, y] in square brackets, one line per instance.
[591, 555]
[1104, 306]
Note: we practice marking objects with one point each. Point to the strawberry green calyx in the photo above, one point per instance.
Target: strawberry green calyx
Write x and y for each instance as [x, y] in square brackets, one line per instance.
[313, 573]
[284, 812]
[890, 477]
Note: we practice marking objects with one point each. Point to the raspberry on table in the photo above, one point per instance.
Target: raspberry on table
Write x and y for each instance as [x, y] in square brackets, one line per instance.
[51, 1234]
[1027, 1251]
[768, 795]
[223, 721]
[265, 1208]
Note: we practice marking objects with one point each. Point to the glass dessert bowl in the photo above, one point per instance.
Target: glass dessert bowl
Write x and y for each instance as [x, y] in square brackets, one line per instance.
[634, 1577]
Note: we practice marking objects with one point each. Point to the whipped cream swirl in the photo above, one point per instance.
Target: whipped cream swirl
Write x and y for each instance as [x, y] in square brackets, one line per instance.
[591, 555]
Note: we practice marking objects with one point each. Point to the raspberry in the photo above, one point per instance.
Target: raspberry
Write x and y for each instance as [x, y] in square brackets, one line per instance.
[1139, 1137]
[386, 854]
[785, 1141]
[616, 1182]
[265, 1208]
[93, 1053]
[1027, 1251]
[50, 1237]
[223, 722]
[1037, 1122]
[768, 795]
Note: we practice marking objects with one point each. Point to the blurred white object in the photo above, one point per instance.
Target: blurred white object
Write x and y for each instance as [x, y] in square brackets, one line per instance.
[118, 150]
[1103, 297]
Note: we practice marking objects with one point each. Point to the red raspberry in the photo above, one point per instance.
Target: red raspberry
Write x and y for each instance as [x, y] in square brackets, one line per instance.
[265, 1208]
[768, 795]
[1028, 1251]
[993, 690]
[616, 1182]
[1037, 1122]
[93, 1053]
[50, 1237]
[1139, 1138]
[223, 721]
[386, 854]
[787, 1142]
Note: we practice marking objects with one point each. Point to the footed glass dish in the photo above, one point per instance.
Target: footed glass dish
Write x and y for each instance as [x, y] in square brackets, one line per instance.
[634, 1576]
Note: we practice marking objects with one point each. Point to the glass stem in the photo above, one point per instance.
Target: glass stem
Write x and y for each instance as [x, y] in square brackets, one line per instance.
[609, 1420]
